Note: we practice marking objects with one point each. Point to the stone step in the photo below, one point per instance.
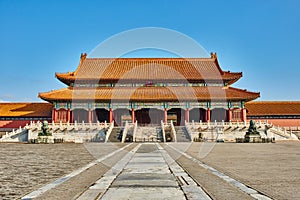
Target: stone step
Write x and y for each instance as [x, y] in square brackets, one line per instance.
[181, 134]
[115, 135]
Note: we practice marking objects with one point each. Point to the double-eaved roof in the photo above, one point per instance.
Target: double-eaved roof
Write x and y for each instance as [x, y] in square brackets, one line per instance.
[171, 79]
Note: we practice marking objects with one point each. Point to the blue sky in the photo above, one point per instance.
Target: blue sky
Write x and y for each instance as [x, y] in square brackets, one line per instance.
[258, 37]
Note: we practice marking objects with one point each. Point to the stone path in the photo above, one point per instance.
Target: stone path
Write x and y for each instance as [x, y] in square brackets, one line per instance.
[146, 172]
[152, 171]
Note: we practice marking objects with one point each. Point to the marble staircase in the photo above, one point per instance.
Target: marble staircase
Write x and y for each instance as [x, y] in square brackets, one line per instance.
[182, 134]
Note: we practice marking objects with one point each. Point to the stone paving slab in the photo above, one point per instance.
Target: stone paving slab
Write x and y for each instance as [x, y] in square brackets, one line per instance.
[150, 193]
[146, 158]
[147, 167]
[145, 180]
[91, 194]
[148, 155]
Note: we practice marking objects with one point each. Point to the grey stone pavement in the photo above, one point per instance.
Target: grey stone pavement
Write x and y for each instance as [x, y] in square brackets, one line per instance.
[148, 172]
[152, 171]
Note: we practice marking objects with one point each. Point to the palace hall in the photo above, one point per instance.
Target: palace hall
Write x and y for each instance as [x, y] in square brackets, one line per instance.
[149, 90]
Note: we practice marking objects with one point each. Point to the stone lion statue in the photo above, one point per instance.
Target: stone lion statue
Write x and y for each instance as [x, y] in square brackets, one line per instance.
[45, 129]
[252, 128]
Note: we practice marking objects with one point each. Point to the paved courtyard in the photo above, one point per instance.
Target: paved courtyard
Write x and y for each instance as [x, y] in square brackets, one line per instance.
[272, 169]
[268, 169]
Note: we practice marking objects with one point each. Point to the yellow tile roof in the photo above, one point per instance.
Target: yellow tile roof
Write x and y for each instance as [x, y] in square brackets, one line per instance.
[260, 108]
[150, 94]
[25, 109]
[148, 69]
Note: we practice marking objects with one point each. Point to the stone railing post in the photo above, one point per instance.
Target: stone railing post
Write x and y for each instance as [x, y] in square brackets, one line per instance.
[91, 125]
[82, 125]
[134, 131]
[75, 125]
[98, 125]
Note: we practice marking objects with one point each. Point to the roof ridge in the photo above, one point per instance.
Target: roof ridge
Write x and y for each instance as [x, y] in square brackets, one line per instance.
[261, 102]
[154, 58]
[244, 90]
[25, 103]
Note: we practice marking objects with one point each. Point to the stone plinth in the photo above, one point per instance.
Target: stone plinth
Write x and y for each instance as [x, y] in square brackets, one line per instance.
[45, 139]
[253, 138]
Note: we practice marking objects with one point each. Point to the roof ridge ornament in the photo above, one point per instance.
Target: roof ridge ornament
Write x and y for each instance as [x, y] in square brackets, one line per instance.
[213, 55]
[83, 57]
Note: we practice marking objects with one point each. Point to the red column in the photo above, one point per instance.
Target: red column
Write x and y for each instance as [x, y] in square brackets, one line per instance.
[72, 117]
[132, 115]
[68, 115]
[92, 116]
[244, 115]
[187, 115]
[229, 114]
[89, 116]
[110, 115]
[54, 115]
[208, 115]
[165, 115]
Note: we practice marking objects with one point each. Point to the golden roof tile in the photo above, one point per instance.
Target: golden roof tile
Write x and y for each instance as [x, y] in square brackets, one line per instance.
[149, 94]
[268, 108]
[143, 69]
[25, 109]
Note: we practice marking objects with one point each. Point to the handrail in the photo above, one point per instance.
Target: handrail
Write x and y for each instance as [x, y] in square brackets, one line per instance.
[234, 125]
[188, 130]
[163, 130]
[111, 126]
[126, 127]
[173, 131]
